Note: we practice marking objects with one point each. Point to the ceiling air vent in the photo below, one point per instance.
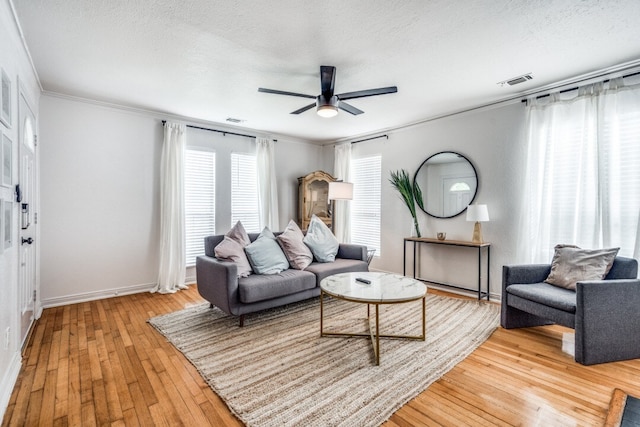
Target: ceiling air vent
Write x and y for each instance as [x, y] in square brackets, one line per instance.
[233, 120]
[517, 80]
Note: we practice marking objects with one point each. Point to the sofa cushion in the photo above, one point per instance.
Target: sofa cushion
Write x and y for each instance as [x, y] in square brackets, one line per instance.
[321, 241]
[543, 293]
[231, 248]
[340, 265]
[572, 264]
[258, 287]
[265, 254]
[298, 254]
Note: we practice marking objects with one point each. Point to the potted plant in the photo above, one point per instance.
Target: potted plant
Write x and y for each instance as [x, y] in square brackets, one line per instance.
[410, 193]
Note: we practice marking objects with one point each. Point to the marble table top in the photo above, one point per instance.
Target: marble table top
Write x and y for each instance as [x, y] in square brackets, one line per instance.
[384, 287]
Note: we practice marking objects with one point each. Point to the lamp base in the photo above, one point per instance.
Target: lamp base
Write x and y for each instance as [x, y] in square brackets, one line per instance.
[477, 233]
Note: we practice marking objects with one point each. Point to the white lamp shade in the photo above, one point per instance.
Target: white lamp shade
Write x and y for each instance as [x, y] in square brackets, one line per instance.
[340, 191]
[477, 213]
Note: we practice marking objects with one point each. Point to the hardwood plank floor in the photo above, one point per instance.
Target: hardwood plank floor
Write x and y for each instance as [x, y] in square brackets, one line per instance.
[100, 363]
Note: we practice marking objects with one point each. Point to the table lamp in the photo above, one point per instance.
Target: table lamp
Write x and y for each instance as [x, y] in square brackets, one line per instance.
[477, 213]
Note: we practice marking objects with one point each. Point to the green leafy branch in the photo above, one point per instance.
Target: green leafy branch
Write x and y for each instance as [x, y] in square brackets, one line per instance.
[410, 193]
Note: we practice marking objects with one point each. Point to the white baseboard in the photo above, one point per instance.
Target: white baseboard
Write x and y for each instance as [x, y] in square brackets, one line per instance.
[96, 295]
[102, 294]
[9, 382]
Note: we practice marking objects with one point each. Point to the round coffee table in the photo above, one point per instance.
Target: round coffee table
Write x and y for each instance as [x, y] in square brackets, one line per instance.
[384, 288]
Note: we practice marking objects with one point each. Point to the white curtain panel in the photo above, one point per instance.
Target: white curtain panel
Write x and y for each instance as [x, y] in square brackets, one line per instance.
[583, 171]
[171, 276]
[267, 184]
[342, 214]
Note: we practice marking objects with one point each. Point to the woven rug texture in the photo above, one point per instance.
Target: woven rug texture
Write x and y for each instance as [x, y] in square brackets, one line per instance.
[278, 371]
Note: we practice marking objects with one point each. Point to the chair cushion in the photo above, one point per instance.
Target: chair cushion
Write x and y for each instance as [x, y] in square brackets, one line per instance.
[543, 293]
[259, 287]
[572, 264]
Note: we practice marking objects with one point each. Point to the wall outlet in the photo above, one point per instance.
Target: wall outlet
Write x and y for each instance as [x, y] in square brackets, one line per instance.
[7, 338]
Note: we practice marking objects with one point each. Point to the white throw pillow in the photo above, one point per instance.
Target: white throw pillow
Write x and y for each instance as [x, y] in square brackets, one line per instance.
[321, 241]
[265, 254]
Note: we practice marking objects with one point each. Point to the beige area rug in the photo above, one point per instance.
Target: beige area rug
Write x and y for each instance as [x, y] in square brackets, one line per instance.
[278, 371]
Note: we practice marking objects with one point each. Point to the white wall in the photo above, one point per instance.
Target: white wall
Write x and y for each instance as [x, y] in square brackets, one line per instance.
[99, 200]
[15, 62]
[100, 196]
[493, 140]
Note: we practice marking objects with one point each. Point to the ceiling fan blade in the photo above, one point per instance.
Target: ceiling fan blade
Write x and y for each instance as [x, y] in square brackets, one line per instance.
[368, 92]
[349, 108]
[282, 92]
[303, 109]
[327, 80]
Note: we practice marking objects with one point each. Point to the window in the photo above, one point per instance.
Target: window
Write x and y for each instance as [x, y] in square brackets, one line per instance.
[366, 174]
[583, 177]
[460, 186]
[244, 191]
[200, 200]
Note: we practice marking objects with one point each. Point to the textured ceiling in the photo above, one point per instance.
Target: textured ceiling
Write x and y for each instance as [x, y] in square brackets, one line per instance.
[205, 59]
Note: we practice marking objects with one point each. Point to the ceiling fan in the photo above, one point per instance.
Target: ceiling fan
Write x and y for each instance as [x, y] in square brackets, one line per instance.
[327, 103]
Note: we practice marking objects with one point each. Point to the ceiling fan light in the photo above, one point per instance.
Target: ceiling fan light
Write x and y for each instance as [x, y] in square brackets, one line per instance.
[327, 111]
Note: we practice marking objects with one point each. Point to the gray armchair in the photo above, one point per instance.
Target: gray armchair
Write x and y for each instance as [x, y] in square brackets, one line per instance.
[605, 314]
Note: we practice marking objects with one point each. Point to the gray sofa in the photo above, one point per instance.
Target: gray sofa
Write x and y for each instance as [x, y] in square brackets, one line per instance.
[604, 313]
[218, 282]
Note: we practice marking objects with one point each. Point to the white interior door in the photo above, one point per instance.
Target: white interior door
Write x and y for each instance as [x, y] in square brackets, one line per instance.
[457, 194]
[26, 224]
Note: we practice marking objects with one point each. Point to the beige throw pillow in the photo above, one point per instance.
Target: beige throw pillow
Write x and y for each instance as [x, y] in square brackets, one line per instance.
[232, 249]
[298, 254]
[571, 264]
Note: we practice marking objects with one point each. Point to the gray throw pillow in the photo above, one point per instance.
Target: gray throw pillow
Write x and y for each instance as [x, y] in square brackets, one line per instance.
[321, 241]
[571, 264]
[298, 254]
[232, 249]
[265, 254]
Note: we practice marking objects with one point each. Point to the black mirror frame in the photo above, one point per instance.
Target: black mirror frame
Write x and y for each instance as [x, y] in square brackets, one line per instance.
[475, 172]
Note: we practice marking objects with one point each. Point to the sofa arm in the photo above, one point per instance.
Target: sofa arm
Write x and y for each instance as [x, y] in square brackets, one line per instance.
[217, 282]
[607, 320]
[352, 251]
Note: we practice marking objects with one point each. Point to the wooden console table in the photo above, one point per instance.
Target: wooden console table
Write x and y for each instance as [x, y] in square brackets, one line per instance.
[479, 246]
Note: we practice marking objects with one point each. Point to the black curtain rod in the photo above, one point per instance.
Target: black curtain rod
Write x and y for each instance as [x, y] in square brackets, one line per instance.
[224, 132]
[369, 139]
[578, 87]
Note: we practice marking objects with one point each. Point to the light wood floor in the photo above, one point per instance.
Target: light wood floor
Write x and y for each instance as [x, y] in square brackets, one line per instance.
[100, 363]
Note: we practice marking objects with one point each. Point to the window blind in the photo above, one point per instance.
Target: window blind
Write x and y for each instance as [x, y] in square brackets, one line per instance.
[200, 200]
[366, 174]
[244, 191]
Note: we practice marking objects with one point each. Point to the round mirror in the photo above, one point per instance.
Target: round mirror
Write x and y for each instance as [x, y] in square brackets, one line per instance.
[448, 182]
